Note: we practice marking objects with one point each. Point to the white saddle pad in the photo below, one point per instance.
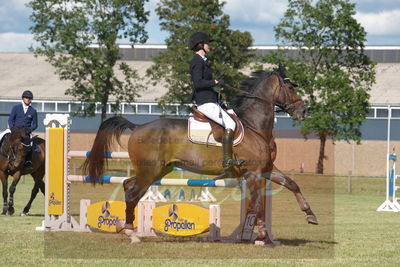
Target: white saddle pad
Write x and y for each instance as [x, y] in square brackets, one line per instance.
[4, 133]
[200, 133]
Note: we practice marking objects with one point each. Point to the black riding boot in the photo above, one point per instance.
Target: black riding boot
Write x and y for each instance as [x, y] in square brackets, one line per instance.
[227, 141]
[28, 161]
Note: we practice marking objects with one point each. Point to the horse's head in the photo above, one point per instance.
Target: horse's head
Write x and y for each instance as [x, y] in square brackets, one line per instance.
[17, 146]
[285, 97]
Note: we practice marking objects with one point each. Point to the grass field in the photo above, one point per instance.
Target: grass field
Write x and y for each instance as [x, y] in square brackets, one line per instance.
[351, 232]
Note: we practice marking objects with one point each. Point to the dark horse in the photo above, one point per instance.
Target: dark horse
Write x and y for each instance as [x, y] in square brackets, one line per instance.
[156, 147]
[13, 151]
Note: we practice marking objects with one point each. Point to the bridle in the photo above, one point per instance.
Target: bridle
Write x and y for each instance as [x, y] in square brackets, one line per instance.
[11, 157]
[285, 107]
[282, 81]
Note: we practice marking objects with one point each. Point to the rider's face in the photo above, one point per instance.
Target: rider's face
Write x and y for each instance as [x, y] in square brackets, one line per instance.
[27, 101]
[206, 47]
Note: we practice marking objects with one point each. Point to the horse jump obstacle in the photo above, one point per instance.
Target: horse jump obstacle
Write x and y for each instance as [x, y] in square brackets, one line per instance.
[58, 218]
[391, 203]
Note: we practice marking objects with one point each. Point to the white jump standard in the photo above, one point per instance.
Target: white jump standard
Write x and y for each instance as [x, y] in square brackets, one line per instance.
[391, 203]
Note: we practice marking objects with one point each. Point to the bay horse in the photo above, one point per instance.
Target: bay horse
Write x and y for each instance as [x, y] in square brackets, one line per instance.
[13, 150]
[157, 147]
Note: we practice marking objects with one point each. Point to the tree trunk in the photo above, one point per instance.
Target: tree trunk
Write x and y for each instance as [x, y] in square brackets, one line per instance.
[320, 164]
[104, 101]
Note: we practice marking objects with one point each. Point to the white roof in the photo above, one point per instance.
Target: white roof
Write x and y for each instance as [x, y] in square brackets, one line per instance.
[22, 71]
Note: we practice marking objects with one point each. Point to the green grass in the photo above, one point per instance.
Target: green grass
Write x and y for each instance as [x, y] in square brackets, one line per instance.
[351, 232]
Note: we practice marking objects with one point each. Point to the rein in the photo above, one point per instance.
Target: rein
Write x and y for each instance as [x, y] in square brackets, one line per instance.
[247, 94]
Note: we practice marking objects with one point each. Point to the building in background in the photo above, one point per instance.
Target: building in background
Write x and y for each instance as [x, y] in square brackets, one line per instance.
[21, 71]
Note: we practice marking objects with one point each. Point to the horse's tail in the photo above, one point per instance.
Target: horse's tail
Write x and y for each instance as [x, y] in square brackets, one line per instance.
[109, 129]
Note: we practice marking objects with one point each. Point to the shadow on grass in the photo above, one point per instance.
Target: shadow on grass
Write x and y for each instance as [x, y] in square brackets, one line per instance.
[32, 215]
[300, 242]
[97, 246]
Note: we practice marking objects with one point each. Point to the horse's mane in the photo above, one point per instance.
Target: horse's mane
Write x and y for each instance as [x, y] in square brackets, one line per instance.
[37, 139]
[19, 132]
[241, 103]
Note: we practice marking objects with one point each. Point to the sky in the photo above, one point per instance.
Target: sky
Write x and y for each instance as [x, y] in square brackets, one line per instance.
[380, 18]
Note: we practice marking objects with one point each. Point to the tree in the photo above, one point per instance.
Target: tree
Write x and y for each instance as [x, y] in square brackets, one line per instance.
[65, 31]
[330, 66]
[229, 51]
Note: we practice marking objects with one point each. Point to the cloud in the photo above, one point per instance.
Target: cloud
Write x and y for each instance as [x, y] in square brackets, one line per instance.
[380, 19]
[156, 36]
[16, 4]
[376, 6]
[151, 6]
[15, 42]
[382, 23]
[259, 20]
[14, 16]
[261, 11]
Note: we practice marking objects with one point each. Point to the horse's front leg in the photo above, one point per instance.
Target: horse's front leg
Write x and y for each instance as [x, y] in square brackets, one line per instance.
[257, 193]
[13, 187]
[3, 178]
[278, 177]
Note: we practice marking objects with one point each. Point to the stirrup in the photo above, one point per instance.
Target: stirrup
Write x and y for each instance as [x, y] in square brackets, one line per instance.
[232, 163]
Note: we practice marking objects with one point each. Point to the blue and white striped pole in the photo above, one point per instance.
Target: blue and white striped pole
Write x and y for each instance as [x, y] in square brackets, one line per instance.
[171, 182]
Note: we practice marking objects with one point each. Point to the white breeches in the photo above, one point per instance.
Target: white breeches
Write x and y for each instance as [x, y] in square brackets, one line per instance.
[213, 111]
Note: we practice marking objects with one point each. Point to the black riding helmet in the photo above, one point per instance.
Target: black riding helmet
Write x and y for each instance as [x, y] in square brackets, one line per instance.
[27, 94]
[198, 37]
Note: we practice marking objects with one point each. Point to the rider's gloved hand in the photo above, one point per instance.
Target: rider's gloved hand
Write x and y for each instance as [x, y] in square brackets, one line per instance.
[221, 82]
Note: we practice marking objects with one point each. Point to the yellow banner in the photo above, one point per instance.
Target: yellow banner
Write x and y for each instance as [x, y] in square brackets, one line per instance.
[56, 172]
[181, 219]
[105, 215]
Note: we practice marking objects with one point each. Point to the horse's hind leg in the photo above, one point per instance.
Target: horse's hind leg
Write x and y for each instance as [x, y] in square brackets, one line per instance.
[254, 183]
[39, 184]
[278, 177]
[35, 190]
[134, 189]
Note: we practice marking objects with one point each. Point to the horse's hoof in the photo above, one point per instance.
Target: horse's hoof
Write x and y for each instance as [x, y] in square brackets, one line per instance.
[311, 219]
[23, 214]
[4, 212]
[269, 245]
[119, 226]
[132, 236]
[135, 239]
[11, 211]
[263, 242]
[259, 242]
